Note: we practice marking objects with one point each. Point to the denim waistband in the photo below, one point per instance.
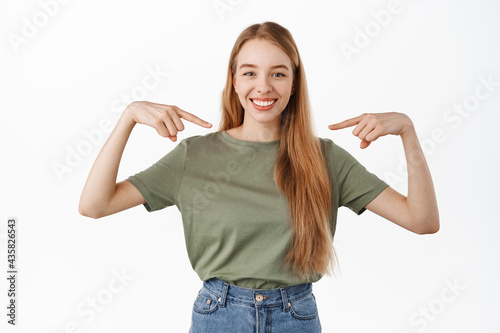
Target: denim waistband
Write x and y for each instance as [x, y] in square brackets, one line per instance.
[257, 297]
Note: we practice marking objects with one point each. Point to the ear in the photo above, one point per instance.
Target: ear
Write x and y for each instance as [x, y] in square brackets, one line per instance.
[293, 89]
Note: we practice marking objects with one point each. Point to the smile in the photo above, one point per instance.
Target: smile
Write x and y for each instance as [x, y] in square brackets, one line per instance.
[263, 103]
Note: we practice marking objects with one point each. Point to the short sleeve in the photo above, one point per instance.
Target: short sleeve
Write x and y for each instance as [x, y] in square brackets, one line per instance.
[159, 184]
[357, 186]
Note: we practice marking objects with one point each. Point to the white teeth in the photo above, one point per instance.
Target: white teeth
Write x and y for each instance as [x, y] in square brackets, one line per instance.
[263, 103]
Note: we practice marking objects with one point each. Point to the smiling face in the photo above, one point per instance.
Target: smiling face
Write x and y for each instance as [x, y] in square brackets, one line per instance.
[263, 81]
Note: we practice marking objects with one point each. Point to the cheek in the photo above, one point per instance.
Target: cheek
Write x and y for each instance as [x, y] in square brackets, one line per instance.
[242, 90]
[286, 91]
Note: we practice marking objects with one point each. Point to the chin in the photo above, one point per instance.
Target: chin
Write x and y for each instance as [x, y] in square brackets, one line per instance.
[265, 118]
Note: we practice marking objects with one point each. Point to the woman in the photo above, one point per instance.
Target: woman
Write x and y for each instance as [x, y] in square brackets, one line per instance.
[259, 197]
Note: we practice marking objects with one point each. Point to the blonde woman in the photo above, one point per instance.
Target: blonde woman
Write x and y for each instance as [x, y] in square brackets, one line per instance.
[259, 196]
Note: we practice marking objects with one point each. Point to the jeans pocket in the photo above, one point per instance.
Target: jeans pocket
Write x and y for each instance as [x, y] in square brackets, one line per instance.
[304, 308]
[206, 301]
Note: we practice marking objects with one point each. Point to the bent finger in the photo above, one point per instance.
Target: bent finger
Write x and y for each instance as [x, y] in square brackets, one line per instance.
[364, 131]
[172, 130]
[373, 135]
[159, 126]
[364, 144]
[177, 122]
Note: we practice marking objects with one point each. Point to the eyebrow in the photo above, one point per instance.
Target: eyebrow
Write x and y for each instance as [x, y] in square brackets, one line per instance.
[273, 67]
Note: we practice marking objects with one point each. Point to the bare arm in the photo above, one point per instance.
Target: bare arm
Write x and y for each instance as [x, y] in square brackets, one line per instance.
[419, 211]
[101, 195]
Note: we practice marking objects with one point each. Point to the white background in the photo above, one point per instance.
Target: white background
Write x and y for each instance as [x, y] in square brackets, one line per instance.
[70, 71]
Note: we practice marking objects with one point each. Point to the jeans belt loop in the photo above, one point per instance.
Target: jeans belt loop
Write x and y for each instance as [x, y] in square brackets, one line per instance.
[284, 297]
[224, 294]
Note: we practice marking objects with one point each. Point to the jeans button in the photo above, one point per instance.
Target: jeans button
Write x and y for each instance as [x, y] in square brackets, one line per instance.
[259, 298]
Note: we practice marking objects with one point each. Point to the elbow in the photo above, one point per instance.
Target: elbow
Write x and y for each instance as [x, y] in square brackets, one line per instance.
[435, 228]
[428, 227]
[88, 212]
[429, 230]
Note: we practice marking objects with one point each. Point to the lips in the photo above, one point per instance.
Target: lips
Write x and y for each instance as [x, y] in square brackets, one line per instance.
[263, 102]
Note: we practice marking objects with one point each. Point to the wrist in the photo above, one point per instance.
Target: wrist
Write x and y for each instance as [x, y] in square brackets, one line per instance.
[127, 116]
[408, 129]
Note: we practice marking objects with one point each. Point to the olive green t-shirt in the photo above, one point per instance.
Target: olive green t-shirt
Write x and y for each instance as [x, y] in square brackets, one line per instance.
[236, 221]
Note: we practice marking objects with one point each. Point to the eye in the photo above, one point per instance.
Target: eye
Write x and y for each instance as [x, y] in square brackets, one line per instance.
[246, 74]
[280, 74]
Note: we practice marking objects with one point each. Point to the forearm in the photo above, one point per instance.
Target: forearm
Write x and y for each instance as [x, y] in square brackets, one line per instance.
[101, 182]
[421, 199]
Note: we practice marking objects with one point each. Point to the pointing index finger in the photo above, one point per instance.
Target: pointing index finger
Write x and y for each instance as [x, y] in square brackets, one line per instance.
[194, 119]
[346, 123]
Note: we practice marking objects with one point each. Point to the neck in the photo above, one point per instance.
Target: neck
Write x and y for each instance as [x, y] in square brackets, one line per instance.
[257, 132]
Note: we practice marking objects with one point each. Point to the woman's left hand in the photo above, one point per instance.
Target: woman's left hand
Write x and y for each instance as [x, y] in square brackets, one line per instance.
[371, 126]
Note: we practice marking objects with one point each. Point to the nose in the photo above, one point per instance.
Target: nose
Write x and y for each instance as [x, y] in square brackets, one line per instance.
[263, 85]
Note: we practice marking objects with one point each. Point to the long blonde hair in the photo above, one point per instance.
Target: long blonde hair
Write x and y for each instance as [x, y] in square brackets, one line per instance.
[300, 171]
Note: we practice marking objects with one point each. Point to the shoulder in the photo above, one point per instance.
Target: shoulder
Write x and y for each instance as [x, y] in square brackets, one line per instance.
[197, 140]
[325, 142]
[199, 143]
[334, 153]
[330, 147]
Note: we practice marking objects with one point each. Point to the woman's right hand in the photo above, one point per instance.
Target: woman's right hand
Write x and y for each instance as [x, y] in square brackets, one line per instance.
[166, 119]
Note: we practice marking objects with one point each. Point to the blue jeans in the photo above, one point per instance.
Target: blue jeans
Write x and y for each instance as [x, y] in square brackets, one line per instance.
[221, 307]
